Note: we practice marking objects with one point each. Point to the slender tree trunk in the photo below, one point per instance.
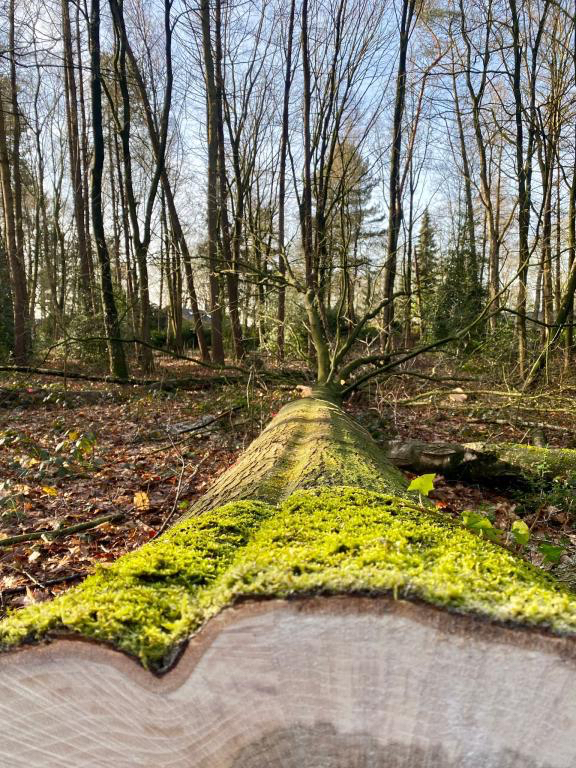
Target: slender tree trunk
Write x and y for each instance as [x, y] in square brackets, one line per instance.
[118, 366]
[13, 229]
[524, 167]
[85, 149]
[212, 198]
[523, 195]
[75, 155]
[227, 252]
[158, 141]
[306, 204]
[569, 291]
[140, 239]
[558, 249]
[394, 185]
[281, 335]
[467, 174]
[408, 260]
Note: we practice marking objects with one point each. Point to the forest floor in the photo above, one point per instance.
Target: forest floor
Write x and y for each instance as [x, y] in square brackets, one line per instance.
[124, 462]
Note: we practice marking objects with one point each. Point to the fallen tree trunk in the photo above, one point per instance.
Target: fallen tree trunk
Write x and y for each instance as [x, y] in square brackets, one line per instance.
[486, 463]
[335, 621]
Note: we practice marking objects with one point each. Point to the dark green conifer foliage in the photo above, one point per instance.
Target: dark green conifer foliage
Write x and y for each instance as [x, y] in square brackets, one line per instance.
[460, 294]
[427, 273]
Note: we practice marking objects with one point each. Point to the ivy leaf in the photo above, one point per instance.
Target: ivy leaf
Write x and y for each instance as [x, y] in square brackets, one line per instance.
[481, 525]
[552, 552]
[520, 532]
[423, 484]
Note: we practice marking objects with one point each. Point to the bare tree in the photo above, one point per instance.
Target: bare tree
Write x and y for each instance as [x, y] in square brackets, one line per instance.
[118, 366]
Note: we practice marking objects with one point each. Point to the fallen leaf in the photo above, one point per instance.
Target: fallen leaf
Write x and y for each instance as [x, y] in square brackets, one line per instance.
[141, 500]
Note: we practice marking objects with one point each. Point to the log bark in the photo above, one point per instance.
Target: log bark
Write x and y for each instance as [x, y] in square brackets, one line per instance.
[311, 443]
[321, 617]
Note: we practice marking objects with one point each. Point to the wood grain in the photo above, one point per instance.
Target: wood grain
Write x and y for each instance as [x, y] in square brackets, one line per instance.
[320, 683]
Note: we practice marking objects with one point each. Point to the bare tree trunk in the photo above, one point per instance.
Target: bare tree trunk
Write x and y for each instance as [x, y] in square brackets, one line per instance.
[75, 158]
[158, 136]
[569, 291]
[12, 205]
[467, 174]
[408, 260]
[524, 168]
[306, 204]
[281, 336]
[85, 143]
[212, 198]
[116, 354]
[227, 254]
[394, 185]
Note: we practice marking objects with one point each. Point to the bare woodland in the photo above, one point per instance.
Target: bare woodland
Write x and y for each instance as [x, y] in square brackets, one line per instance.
[287, 466]
[407, 167]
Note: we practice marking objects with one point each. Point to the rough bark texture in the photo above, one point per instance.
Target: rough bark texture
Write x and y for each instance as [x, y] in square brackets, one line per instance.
[310, 443]
[320, 651]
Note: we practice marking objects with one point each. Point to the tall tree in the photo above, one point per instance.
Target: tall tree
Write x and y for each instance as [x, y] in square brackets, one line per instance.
[212, 182]
[116, 354]
[10, 176]
[282, 256]
[75, 156]
[408, 14]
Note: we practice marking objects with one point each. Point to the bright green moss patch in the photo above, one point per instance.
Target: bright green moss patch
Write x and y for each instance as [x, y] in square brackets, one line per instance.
[146, 601]
[323, 541]
[347, 540]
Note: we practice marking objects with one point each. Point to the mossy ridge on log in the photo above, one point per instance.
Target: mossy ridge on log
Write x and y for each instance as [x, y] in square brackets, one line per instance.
[319, 541]
[310, 443]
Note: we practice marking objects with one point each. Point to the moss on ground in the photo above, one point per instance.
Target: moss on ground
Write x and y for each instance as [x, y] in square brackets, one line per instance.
[318, 541]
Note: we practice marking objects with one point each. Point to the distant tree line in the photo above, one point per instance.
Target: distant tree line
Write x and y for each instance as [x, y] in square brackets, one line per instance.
[327, 180]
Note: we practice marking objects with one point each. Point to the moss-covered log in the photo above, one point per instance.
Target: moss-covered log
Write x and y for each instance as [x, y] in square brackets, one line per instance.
[510, 463]
[310, 443]
[335, 622]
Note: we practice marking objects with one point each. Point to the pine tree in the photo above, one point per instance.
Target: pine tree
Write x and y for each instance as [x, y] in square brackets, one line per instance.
[460, 295]
[427, 273]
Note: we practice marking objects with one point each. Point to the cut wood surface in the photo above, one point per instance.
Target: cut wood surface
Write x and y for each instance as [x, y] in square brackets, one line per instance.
[309, 613]
[322, 683]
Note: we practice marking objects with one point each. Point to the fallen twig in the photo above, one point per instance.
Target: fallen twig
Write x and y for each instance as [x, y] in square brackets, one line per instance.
[519, 423]
[57, 533]
[19, 590]
[194, 428]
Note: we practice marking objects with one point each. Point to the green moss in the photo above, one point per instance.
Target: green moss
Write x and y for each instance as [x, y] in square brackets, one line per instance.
[146, 601]
[320, 541]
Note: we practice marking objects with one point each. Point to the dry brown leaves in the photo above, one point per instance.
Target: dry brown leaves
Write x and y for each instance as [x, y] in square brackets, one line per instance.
[137, 458]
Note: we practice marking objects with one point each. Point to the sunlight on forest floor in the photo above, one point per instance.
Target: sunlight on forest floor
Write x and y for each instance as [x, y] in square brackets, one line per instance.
[140, 457]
